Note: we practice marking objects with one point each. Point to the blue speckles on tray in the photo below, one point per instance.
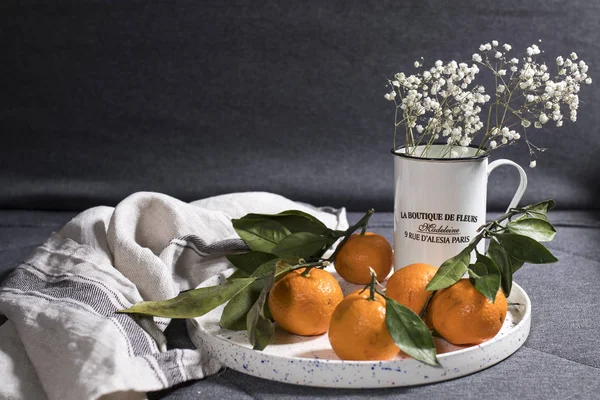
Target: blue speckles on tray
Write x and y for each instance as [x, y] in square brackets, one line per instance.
[310, 360]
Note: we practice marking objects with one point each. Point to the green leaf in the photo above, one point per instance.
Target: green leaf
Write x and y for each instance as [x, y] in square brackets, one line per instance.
[409, 332]
[489, 281]
[281, 269]
[193, 303]
[338, 234]
[542, 206]
[502, 261]
[300, 214]
[237, 275]
[535, 228]
[260, 329]
[249, 262]
[538, 210]
[451, 271]
[533, 214]
[236, 310]
[297, 223]
[525, 249]
[281, 266]
[472, 273]
[260, 235]
[294, 221]
[300, 244]
[515, 264]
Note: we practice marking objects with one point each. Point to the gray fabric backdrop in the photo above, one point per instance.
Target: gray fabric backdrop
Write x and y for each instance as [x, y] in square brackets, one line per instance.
[101, 98]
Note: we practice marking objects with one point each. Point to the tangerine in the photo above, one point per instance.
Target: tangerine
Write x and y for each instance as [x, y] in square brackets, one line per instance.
[361, 252]
[358, 331]
[302, 304]
[407, 285]
[462, 315]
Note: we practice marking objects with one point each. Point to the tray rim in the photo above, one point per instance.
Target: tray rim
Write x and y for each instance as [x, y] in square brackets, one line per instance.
[522, 326]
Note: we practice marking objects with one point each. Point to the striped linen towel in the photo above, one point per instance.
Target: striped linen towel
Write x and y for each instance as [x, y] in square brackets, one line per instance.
[63, 339]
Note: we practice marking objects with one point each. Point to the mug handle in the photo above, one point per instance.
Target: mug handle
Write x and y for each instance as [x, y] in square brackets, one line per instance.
[522, 184]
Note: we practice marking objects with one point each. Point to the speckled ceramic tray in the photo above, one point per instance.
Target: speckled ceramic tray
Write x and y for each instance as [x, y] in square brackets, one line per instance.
[310, 360]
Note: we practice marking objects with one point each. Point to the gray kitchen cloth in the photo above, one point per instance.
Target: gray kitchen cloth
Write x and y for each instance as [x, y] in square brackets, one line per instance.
[63, 339]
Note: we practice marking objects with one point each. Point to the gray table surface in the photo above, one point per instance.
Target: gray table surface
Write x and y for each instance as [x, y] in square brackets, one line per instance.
[559, 360]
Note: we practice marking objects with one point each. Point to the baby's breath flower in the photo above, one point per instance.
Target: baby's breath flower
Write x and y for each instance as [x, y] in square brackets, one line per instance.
[533, 50]
[443, 101]
[526, 84]
[573, 116]
[532, 164]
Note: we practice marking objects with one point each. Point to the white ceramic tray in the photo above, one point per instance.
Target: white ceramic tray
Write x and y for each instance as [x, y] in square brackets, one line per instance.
[310, 360]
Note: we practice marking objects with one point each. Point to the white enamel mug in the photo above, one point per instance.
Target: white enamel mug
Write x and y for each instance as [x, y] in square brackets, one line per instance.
[440, 202]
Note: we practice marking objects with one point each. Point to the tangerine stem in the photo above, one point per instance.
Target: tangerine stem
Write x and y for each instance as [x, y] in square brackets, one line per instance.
[423, 312]
[317, 264]
[364, 230]
[361, 223]
[365, 221]
[372, 289]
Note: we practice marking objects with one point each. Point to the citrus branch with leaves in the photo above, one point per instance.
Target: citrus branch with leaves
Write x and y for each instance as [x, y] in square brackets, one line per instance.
[281, 243]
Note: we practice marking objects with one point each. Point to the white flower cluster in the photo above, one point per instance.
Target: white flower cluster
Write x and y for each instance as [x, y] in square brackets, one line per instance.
[443, 102]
